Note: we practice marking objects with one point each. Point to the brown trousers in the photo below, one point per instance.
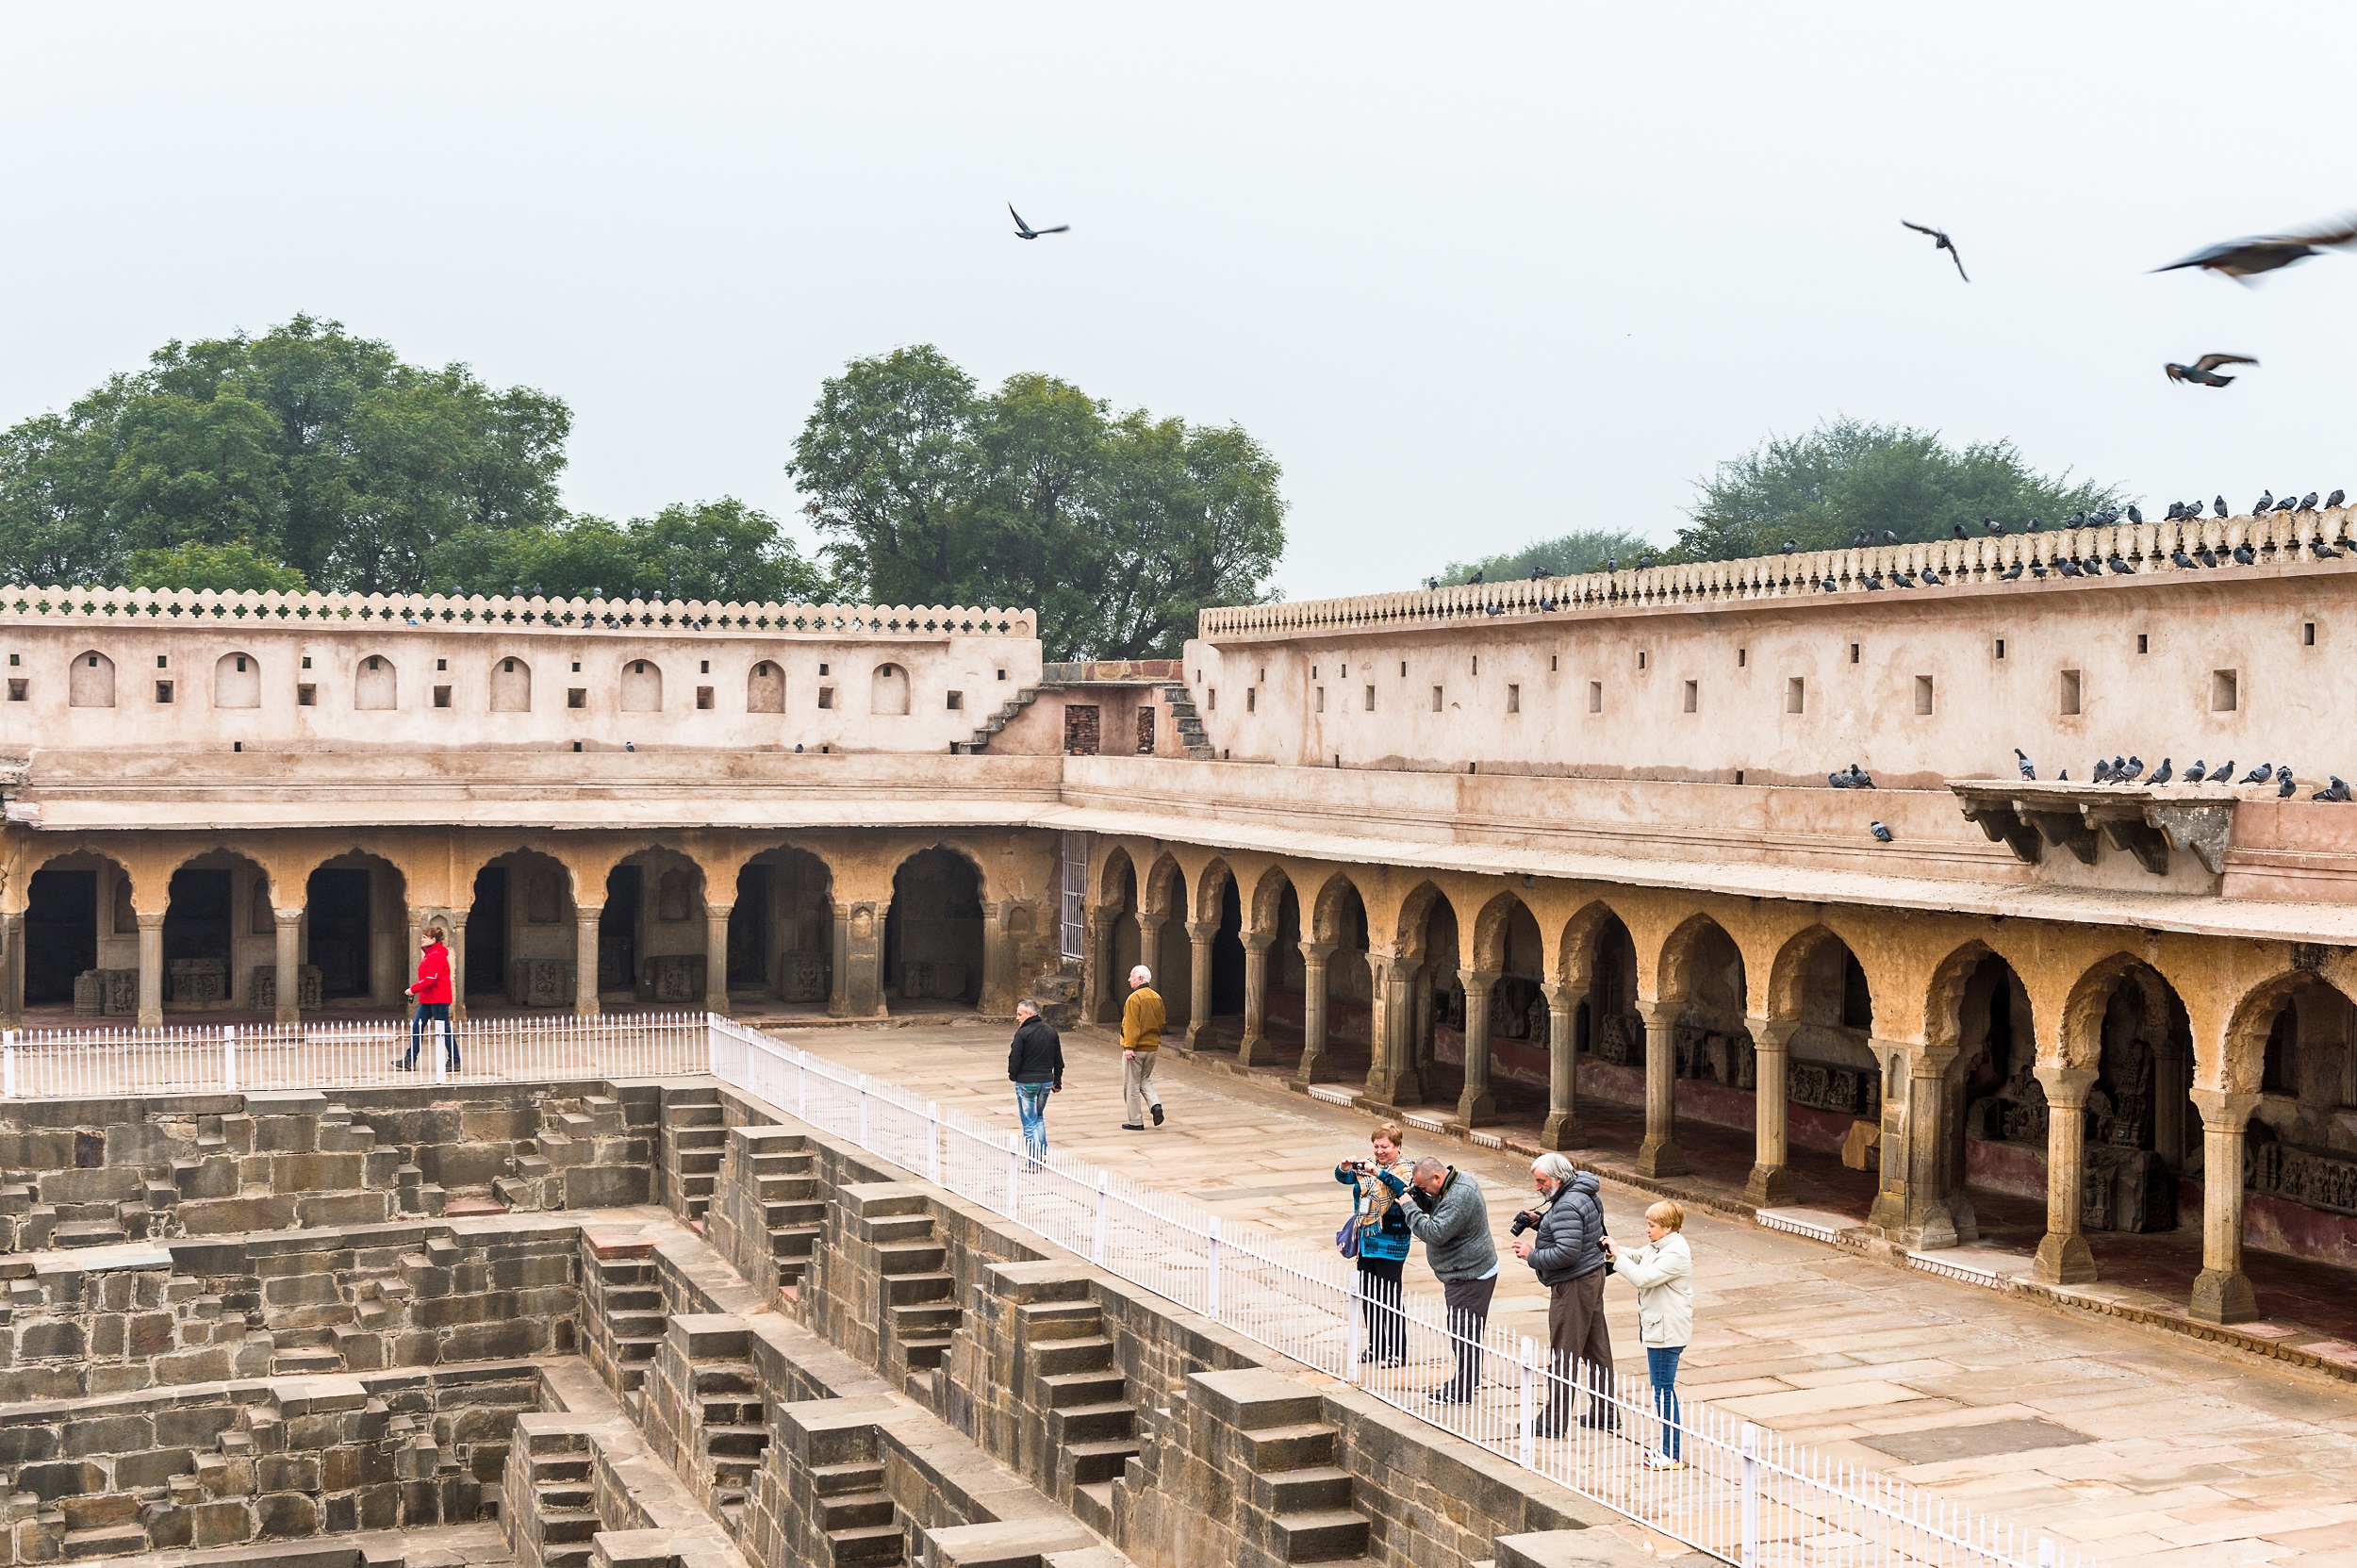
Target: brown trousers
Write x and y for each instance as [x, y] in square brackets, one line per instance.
[1582, 1346]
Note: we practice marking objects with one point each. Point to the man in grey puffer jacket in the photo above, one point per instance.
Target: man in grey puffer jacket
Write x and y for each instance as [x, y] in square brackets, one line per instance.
[1566, 1251]
[1448, 1213]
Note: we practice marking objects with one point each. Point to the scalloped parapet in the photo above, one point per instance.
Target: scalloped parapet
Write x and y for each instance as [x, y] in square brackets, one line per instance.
[2278, 537]
[200, 607]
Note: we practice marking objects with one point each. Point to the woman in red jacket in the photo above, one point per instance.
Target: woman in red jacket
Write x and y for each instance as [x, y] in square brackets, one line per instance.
[433, 995]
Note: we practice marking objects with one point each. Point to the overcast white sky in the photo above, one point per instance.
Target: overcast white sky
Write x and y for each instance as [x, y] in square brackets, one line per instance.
[1474, 274]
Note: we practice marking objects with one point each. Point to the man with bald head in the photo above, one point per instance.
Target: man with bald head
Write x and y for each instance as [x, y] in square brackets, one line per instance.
[1141, 1038]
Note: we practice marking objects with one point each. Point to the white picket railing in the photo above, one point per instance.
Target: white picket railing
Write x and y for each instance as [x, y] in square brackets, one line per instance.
[1745, 1495]
[1748, 1495]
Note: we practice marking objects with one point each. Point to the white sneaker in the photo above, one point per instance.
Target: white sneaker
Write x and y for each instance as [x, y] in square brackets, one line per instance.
[1663, 1462]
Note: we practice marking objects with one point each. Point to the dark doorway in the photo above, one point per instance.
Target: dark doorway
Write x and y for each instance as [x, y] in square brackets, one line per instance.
[934, 934]
[487, 933]
[60, 934]
[338, 904]
[196, 931]
[1227, 955]
[618, 931]
[749, 929]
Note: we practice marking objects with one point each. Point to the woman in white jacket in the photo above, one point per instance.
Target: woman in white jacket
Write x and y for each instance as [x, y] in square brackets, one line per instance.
[1663, 1272]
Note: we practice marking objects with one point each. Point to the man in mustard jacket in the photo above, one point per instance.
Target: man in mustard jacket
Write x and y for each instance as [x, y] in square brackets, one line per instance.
[1141, 1038]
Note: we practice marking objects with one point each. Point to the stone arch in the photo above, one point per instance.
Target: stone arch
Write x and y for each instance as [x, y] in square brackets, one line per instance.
[934, 929]
[511, 684]
[2251, 1032]
[1211, 883]
[1415, 927]
[650, 926]
[78, 919]
[1116, 877]
[1165, 889]
[1218, 902]
[888, 690]
[1339, 905]
[355, 927]
[2085, 1011]
[237, 680]
[210, 946]
[1118, 931]
[521, 938]
[1504, 916]
[1270, 891]
[781, 925]
[90, 681]
[1816, 978]
[642, 686]
[375, 684]
[1688, 955]
[1576, 948]
[764, 687]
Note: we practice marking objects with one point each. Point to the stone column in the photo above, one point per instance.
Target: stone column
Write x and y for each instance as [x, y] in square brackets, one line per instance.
[407, 970]
[2222, 1292]
[1199, 934]
[13, 971]
[1562, 1129]
[151, 968]
[1097, 944]
[1000, 955]
[458, 923]
[839, 967]
[1924, 1220]
[1254, 1051]
[1659, 1154]
[716, 956]
[1420, 997]
[288, 928]
[1770, 1186]
[1390, 1078]
[586, 959]
[1149, 954]
[1313, 992]
[862, 947]
[1476, 1105]
[2063, 1257]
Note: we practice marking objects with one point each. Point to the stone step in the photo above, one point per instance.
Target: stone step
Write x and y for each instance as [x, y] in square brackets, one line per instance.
[853, 1476]
[1314, 1488]
[1068, 1389]
[925, 1353]
[104, 1541]
[557, 1469]
[876, 1543]
[1274, 1449]
[1319, 1535]
[853, 1510]
[776, 1215]
[896, 1228]
[299, 1362]
[1100, 1460]
[896, 1257]
[725, 1377]
[904, 1288]
[1061, 1320]
[566, 1554]
[680, 1112]
[736, 1441]
[926, 1317]
[88, 1234]
[794, 1241]
[565, 1494]
[1091, 1423]
[1093, 1505]
[568, 1525]
[1057, 1357]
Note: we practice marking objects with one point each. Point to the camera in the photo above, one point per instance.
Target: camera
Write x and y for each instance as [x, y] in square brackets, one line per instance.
[1523, 1222]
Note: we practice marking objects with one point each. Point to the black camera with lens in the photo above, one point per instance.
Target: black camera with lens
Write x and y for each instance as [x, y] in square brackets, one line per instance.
[1522, 1221]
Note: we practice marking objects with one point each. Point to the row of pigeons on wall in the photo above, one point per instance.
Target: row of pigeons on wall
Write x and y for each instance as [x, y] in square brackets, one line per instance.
[2130, 769]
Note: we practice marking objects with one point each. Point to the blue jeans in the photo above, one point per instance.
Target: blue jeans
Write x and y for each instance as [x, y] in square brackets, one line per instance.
[1661, 1366]
[438, 1012]
[1031, 1103]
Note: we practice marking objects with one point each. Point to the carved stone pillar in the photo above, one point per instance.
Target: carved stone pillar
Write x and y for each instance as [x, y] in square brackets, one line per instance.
[1199, 934]
[1001, 960]
[1097, 944]
[717, 957]
[1391, 1076]
[1476, 1104]
[1313, 992]
[457, 921]
[839, 966]
[1254, 1050]
[2168, 1104]
[1565, 1013]
[586, 959]
[862, 939]
[2063, 1257]
[1771, 1185]
[2221, 1291]
[1912, 1207]
[151, 968]
[13, 971]
[1149, 954]
[405, 970]
[287, 927]
[1659, 1154]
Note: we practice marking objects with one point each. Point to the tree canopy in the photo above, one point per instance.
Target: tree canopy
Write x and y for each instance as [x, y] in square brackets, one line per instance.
[1565, 555]
[1117, 528]
[1846, 475]
[714, 550]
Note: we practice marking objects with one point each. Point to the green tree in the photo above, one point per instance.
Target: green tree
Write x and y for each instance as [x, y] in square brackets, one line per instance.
[233, 567]
[323, 450]
[1564, 556]
[719, 551]
[1118, 529]
[1848, 476]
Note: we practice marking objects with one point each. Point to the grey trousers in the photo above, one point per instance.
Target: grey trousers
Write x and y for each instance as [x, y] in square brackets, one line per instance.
[1137, 1086]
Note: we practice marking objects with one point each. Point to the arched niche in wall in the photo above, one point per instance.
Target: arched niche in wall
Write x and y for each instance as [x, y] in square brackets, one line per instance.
[91, 682]
[237, 680]
[642, 687]
[375, 684]
[511, 685]
[764, 688]
[889, 691]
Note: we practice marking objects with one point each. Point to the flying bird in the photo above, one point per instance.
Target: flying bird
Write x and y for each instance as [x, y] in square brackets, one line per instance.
[1024, 231]
[1941, 242]
[2203, 372]
[2244, 258]
[1882, 834]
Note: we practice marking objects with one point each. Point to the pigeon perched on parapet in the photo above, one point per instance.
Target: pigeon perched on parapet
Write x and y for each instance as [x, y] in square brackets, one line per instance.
[2265, 503]
[2322, 549]
[2242, 258]
[2287, 505]
[2245, 556]
[1934, 578]
[2224, 772]
[2259, 774]
[2176, 512]
[2133, 515]
[2069, 566]
[2308, 501]
[2160, 774]
[2134, 771]
[2103, 773]
[2283, 784]
[2336, 790]
[2219, 506]
[2031, 527]
[1791, 545]
[1941, 242]
[2021, 761]
[2179, 560]
[1874, 582]
[1830, 586]
[1882, 834]
[1993, 526]
[2062, 777]
[2333, 500]
[2208, 556]
[2203, 372]
[1958, 531]
[2120, 567]
[2193, 774]
[2015, 570]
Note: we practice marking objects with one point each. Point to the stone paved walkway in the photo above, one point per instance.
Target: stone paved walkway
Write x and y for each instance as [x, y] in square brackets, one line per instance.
[2144, 1446]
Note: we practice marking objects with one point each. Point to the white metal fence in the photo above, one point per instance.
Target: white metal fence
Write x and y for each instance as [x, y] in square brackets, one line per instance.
[1744, 1493]
[89, 1063]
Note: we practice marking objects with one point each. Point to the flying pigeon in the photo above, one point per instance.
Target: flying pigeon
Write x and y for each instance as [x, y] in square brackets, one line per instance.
[2160, 774]
[2337, 790]
[2283, 784]
[1024, 231]
[2203, 372]
[1941, 242]
[2193, 774]
[2243, 258]
[1882, 834]
[2029, 770]
[2259, 774]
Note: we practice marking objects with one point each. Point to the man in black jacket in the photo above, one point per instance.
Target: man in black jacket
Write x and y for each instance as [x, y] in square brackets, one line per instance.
[1565, 1247]
[1035, 1067]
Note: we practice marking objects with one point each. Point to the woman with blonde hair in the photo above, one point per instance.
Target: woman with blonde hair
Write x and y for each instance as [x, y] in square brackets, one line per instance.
[1663, 1272]
[1378, 1235]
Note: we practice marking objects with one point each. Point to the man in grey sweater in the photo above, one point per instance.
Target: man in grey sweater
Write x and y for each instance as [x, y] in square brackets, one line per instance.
[1448, 1213]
